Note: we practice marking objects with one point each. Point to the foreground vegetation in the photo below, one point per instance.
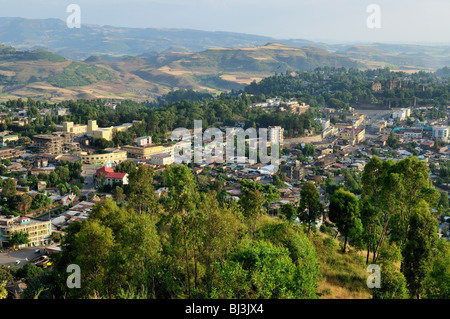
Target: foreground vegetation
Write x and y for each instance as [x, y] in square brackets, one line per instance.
[195, 243]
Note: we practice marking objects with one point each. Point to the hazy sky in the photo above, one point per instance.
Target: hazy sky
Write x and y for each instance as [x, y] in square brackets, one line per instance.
[411, 21]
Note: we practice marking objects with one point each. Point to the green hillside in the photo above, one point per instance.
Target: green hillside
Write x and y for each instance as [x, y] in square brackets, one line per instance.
[79, 74]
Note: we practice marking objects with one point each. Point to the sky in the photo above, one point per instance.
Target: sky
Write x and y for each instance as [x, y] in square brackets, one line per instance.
[400, 21]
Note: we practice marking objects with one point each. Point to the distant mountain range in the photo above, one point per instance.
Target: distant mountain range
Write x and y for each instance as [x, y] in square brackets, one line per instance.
[53, 35]
[47, 60]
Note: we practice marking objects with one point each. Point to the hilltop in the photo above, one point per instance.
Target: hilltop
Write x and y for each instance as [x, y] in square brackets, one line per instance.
[114, 43]
[44, 75]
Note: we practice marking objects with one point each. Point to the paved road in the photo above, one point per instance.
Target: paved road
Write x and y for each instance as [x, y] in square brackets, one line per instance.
[88, 173]
[7, 258]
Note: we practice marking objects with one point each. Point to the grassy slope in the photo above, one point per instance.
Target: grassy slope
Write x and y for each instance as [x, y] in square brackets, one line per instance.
[343, 275]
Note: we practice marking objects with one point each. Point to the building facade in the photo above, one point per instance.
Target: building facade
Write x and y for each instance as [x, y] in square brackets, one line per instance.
[440, 132]
[38, 231]
[93, 130]
[145, 152]
[162, 159]
[55, 143]
[107, 176]
[113, 156]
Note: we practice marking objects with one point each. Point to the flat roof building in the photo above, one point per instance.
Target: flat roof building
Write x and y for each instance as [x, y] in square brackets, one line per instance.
[38, 231]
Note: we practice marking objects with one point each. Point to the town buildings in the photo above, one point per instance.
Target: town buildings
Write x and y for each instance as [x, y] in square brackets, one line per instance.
[93, 130]
[39, 231]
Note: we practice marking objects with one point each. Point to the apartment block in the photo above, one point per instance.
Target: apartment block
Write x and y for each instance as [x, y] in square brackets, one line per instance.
[145, 152]
[10, 153]
[162, 159]
[39, 231]
[113, 156]
[55, 143]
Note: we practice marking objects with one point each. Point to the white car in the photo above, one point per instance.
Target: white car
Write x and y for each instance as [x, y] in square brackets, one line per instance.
[17, 262]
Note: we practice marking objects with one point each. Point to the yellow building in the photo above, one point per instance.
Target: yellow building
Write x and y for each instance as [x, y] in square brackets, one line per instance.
[106, 133]
[146, 152]
[114, 156]
[9, 138]
[92, 129]
[162, 159]
[353, 135]
[38, 231]
[78, 129]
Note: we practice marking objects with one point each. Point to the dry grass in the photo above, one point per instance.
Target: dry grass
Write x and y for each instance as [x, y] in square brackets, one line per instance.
[344, 276]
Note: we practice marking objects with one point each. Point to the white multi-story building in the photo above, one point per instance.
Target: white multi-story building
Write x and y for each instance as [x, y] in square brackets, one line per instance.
[402, 114]
[441, 132]
[276, 131]
[162, 159]
[324, 122]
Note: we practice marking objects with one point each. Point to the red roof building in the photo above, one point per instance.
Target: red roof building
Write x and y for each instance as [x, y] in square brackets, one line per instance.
[112, 177]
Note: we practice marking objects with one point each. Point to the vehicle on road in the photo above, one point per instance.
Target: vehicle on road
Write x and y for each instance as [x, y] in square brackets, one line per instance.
[42, 261]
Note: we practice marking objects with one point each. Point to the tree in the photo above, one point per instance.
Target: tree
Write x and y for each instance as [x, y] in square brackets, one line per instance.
[3, 291]
[371, 219]
[443, 201]
[289, 211]
[141, 193]
[252, 202]
[52, 179]
[268, 192]
[417, 251]
[22, 181]
[392, 285]
[23, 202]
[63, 173]
[392, 141]
[55, 237]
[392, 281]
[76, 190]
[271, 274]
[93, 247]
[310, 208]
[33, 181]
[19, 238]
[344, 210]
[308, 150]
[118, 194]
[437, 281]
[28, 272]
[3, 170]
[187, 220]
[392, 190]
[278, 182]
[9, 188]
[126, 167]
[63, 188]
[40, 201]
[6, 273]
